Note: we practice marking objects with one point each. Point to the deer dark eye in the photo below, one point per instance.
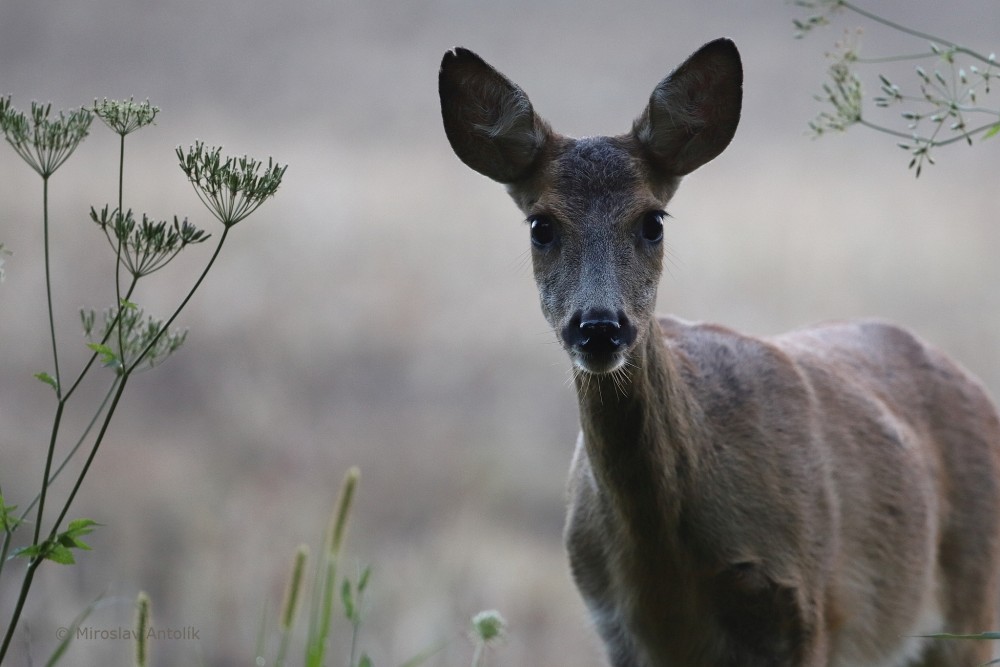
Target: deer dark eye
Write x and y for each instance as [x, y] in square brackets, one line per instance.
[651, 229]
[543, 231]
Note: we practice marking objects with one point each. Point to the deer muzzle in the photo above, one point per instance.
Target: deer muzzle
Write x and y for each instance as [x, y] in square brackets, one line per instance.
[597, 339]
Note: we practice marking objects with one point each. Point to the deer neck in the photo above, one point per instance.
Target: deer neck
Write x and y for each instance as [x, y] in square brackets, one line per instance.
[639, 436]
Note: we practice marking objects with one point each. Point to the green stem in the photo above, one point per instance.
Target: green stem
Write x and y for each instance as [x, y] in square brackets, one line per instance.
[894, 59]
[34, 564]
[118, 248]
[53, 436]
[477, 657]
[104, 341]
[123, 381]
[126, 373]
[914, 33]
[355, 636]
[8, 534]
[76, 447]
[142, 355]
[90, 458]
[286, 637]
[885, 130]
[932, 141]
[25, 587]
[57, 421]
[48, 281]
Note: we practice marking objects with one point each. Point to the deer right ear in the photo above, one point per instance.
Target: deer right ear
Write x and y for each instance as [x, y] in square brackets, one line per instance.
[693, 113]
[489, 121]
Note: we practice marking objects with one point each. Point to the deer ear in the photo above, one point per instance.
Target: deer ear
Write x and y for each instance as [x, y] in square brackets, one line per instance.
[693, 113]
[489, 121]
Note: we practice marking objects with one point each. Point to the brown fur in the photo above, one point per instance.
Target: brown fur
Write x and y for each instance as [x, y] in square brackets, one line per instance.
[814, 499]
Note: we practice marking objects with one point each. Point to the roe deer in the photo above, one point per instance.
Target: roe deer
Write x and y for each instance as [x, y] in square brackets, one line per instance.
[819, 498]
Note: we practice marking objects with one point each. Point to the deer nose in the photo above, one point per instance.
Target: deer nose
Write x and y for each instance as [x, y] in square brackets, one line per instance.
[597, 335]
[599, 331]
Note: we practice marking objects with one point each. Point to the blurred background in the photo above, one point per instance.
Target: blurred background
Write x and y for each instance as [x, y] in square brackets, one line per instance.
[380, 311]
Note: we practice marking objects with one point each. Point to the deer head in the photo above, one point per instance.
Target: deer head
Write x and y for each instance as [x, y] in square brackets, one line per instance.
[595, 206]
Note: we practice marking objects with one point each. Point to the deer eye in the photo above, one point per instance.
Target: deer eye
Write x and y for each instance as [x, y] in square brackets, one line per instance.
[543, 231]
[651, 228]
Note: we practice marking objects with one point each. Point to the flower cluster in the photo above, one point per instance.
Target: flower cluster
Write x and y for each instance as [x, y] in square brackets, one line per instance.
[3, 251]
[44, 141]
[125, 116]
[144, 339]
[147, 245]
[944, 107]
[231, 188]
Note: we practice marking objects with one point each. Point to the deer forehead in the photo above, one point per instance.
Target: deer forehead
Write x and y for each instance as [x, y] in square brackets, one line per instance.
[596, 179]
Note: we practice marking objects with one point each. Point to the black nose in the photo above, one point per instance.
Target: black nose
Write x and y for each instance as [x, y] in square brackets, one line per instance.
[599, 332]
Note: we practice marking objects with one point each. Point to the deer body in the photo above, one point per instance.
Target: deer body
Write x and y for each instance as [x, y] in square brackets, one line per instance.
[816, 499]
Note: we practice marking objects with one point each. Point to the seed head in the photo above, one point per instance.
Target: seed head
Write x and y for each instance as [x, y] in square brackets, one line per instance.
[125, 116]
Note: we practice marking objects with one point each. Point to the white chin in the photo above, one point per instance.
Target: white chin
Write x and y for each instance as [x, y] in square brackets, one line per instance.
[599, 365]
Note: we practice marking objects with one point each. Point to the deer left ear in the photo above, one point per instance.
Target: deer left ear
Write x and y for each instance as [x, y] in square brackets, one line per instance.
[489, 120]
[693, 113]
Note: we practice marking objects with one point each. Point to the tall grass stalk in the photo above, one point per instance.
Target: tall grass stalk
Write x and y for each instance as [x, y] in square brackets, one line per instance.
[321, 616]
[143, 623]
[290, 606]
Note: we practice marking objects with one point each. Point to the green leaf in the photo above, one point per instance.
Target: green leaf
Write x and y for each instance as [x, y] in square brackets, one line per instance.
[60, 554]
[108, 356]
[47, 550]
[363, 580]
[81, 527]
[70, 633]
[7, 521]
[58, 549]
[347, 597]
[992, 132]
[71, 542]
[47, 379]
[70, 538]
[365, 661]
[30, 552]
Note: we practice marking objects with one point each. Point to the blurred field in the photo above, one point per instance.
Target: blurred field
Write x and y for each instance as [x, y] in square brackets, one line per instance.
[381, 312]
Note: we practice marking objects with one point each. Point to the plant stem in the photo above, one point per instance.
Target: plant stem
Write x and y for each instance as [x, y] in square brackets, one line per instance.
[933, 141]
[104, 340]
[127, 370]
[125, 375]
[76, 447]
[55, 358]
[25, 587]
[477, 657]
[48, 281]
[885, 130]
[57, 420]
[122, 382]
[895, 59]
[90, 458]
[37, 560]
[914, 33]
[319, 631]
[118, 248]
[8, 532]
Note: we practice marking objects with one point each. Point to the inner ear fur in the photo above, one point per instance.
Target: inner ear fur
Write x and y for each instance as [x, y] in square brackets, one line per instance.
[693, 113]
[488, 119]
